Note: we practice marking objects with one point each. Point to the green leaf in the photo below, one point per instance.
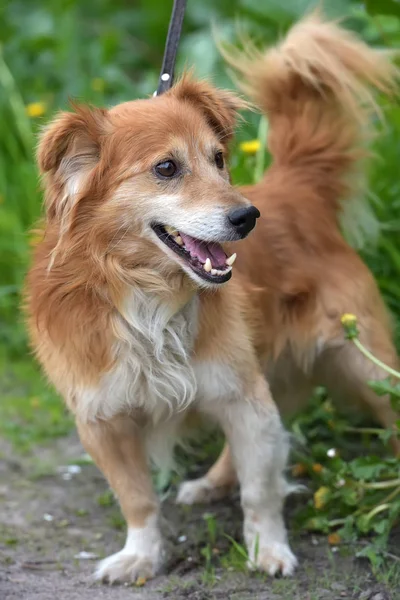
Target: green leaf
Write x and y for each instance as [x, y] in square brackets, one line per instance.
[372, 554]
[238, 547]
[350, 496]
[367, 467]
[317, 524]
[381, 526]
[383, 7]
[385, 386]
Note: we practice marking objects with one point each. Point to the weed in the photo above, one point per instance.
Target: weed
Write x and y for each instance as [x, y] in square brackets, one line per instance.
[359, 496]
[209, 551]
[117, 521]
[107, 498]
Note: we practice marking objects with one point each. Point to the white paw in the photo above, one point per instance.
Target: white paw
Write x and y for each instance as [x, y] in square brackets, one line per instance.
[122, 567]
[275, 558]
[199, 491]
[141, 556]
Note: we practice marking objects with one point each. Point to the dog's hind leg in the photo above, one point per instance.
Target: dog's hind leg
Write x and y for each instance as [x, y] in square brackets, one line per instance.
[118, 450]
[345, 371]
[216, 484]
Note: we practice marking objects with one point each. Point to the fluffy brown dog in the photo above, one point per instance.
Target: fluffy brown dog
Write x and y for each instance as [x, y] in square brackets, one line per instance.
[128, 314]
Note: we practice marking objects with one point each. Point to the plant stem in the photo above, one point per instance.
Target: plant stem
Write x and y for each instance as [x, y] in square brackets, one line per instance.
[371, 430]
[336, 522]
[375, 360]
[376, 510]
[381, 485]
[384, 504]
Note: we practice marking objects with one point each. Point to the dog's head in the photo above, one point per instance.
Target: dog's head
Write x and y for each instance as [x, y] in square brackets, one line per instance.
[150, 171]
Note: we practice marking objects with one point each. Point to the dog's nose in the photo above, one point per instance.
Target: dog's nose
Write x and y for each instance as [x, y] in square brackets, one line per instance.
[244, 219]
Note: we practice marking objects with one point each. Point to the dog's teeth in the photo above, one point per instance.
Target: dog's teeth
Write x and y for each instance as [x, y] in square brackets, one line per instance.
[207, 265]
[170, 230]
[215, 272]
[178, 240]
[231, 259]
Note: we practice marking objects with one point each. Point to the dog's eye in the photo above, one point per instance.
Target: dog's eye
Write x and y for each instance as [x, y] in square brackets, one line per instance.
[219, 160]
[166, 169]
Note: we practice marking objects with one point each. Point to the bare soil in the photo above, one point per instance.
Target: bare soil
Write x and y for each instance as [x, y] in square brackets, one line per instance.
[47, 518]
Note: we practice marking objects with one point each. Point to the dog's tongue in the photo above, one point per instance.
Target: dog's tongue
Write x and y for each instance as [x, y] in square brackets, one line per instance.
[203, 250]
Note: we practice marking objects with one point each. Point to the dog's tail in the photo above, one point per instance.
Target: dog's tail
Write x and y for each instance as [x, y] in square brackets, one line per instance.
[317, 89]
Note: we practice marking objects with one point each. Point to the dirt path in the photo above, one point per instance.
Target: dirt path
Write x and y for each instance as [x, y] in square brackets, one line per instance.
[49, 516]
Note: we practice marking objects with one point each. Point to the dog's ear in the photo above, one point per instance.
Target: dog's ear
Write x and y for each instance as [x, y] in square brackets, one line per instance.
[220, 107]
[68, 151]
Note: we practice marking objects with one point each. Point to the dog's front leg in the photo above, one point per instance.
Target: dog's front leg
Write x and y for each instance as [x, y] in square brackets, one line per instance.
[259, 449]
[117, 449]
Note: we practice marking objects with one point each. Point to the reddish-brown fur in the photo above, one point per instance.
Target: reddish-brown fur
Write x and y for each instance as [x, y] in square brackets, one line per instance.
[294, 277]
[305, 274]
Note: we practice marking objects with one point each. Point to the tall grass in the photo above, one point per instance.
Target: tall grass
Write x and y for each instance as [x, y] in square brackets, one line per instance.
[19, 204]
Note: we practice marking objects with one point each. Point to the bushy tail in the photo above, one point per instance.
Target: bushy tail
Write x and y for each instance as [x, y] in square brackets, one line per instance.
[317, 88]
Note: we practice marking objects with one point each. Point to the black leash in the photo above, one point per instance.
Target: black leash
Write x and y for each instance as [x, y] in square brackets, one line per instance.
[171, 47]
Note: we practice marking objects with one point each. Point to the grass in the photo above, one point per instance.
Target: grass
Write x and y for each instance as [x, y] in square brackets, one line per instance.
[30, 412]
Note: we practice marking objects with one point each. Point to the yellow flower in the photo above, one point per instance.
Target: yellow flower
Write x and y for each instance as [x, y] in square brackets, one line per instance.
[35, 402]
[140, 581]
[97, 84]
[35, 109]
[35, 239]
[317, 468]
[334, 539]
[349, 323]
[321, 496]
[348, 319]
[250, 147]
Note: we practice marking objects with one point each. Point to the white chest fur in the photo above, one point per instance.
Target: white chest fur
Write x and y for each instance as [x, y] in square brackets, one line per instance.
[153, 368]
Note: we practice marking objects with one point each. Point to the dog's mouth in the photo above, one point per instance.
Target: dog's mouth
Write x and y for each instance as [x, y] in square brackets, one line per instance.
[207, 259]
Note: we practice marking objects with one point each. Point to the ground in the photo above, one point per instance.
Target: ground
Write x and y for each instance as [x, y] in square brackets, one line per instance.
[51, 512]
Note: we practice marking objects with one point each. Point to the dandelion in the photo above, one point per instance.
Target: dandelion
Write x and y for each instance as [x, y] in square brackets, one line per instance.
[250, 147]
[333, 539]
[140, 581]
[97, 84]
[349, 322]
[35, 239]
[321, 497]
[348, 318]
[35, 109]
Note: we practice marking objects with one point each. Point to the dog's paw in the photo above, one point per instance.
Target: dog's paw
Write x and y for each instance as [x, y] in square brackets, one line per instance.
[140, 558]
[125, 568]
[276, 558]
[200, 491]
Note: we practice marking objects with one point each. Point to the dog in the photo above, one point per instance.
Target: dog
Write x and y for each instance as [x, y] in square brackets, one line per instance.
[132, 308]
